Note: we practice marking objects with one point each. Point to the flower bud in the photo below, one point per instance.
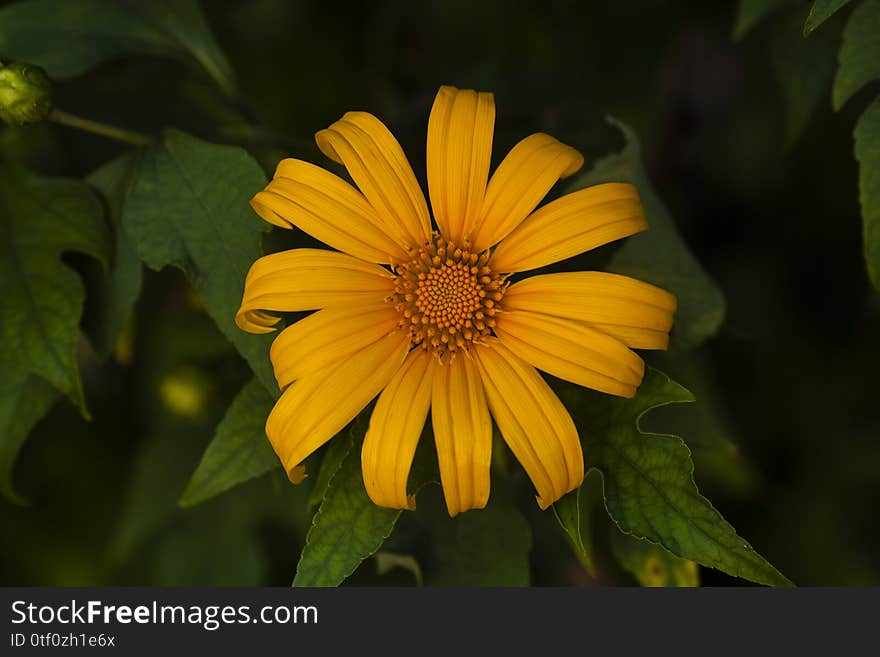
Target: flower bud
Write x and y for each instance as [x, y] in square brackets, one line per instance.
[25, 94]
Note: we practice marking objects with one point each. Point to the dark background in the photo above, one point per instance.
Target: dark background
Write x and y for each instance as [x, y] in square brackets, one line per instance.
[790, 377]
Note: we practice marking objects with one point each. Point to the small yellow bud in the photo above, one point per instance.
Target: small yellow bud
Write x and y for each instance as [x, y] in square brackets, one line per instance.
[25, 94]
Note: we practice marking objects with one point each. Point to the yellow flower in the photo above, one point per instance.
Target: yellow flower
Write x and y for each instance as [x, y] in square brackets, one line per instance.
[428, 320]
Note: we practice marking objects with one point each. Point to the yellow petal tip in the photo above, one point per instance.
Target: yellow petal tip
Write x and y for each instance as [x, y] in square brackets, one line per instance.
[323, 139]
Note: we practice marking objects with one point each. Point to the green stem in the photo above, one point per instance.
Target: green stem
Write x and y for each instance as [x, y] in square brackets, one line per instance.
[102, 129]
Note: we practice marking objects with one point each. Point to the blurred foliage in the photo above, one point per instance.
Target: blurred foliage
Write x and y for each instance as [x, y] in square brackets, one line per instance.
[759, 215]
[651, 565]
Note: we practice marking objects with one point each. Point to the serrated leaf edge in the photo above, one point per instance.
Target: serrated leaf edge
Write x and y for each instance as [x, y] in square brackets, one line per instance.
[681, 441]
[316, 518]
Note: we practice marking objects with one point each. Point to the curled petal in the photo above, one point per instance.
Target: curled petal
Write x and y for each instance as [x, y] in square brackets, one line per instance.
[307, 279]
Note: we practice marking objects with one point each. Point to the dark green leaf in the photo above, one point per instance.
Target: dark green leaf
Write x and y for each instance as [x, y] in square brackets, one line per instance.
[239, 450]
[24, 400]
[859, 56]
[481, 547]
[752, 12]
[568, 512]
[43, 298]
[118, 293]
[184, 25]
[820, 12]
[867, 137]
[804, 69]
[188, 207]
[574, 514]
[68, 37]
[660, 255]
[652, 565]
[347, 528]
[648, 477]
[335, 453]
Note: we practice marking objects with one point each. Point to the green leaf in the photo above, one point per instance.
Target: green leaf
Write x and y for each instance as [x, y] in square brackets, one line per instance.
[347, 528]
[859, 56]
[752, 12]
[481, 547]
[574, 514]
[649, 485]
[239, 450]
[820, 12]
[651, 565]
[188, 207]
[116, 297]
[660, 255]
[568, 513]
[867, 138]
[804, 69]
[335, 453]
[69, 37]
[24, 400]
[42, 218]
[185, 27]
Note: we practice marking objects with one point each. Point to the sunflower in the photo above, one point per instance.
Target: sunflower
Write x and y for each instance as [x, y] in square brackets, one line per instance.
[428, 320]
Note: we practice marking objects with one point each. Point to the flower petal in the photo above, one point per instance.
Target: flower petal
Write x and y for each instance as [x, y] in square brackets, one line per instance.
[572, 351]
[314, 409]
[460, 132]
[378, 165]
[534, 423]
[328, 208]
[636, 313]
[307, 279]
[519, 183]
[572, 224]
[328, 336]
[395, 428]
[462, 434]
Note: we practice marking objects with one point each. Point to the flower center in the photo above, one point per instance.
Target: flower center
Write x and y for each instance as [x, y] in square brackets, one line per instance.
[447, 296]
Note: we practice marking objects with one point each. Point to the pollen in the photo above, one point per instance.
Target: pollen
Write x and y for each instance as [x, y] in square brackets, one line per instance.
[447, 296]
